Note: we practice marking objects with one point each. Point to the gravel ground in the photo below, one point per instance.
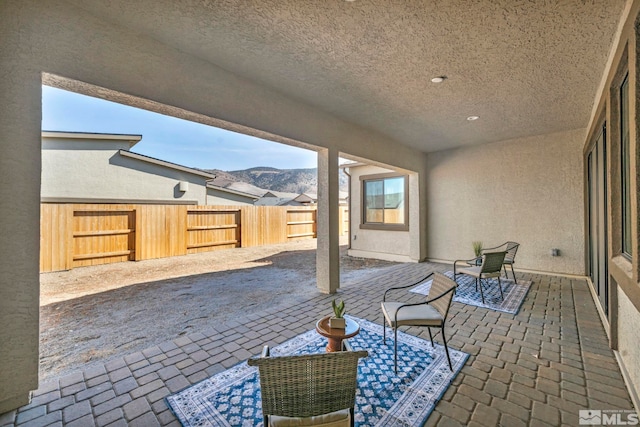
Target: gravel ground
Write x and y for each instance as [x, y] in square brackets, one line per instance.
[91, 314]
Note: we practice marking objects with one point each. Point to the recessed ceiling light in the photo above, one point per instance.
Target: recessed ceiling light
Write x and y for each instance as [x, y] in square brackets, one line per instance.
[438, 79]
[472, 118]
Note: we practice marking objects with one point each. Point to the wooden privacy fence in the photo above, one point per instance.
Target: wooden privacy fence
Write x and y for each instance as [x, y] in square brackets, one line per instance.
[76, 235]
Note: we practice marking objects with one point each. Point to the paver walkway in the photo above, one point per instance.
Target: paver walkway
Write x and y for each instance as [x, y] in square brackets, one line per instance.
[539, 367]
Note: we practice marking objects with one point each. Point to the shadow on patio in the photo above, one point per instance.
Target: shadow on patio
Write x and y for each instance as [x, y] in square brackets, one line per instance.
[539, 367]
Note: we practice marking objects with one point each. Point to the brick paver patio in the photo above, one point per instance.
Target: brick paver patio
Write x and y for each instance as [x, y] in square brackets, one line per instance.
[535, 368]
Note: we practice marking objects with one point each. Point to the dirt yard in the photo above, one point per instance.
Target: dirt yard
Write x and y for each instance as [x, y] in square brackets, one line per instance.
[91, 314]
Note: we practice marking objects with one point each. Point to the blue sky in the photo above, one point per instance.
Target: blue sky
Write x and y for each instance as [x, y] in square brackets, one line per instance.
[168, 138]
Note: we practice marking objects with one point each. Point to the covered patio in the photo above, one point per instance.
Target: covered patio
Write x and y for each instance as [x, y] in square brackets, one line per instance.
[539, 367]
[505, 121]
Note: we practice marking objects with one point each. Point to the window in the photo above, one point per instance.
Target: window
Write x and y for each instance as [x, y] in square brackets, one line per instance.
[625, 168]
[385, 202]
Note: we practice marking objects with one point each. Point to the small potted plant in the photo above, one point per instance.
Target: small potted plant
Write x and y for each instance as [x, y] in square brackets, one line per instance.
[338, 320]
[477, 248]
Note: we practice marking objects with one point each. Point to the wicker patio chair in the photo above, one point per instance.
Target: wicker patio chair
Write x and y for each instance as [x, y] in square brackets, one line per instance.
[431, 313]
[490, 267]
[308, 390]
[510, 248]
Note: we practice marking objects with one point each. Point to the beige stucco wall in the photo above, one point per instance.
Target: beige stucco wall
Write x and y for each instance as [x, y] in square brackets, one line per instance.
[629, 339]
[527, 190]
[382, 244]
[55, 37]
[70, 170]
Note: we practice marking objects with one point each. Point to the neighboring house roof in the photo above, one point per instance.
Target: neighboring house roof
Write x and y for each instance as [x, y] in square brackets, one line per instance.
[305, 198]
[277, 198]
[245, 187]
[165, 164]
[230, 191]
[115, 137]
[276, 201]
[219, 181]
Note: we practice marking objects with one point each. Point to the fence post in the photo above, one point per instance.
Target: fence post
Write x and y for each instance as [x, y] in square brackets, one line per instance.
[138, 228]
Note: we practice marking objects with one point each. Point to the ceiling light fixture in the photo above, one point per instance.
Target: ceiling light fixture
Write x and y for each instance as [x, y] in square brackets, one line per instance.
[438, 79]
[472, 118]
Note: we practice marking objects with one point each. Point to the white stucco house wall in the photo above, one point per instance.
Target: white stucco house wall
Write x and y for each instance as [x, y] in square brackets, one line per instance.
[99, 168]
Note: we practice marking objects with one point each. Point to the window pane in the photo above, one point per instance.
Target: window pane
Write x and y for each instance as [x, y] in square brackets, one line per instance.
[626, 168]
[394, 200]
[374, 201]
[384, 201]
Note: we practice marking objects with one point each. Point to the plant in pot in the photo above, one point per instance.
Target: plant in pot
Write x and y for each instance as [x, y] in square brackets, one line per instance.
[338, 320]
[477, 248]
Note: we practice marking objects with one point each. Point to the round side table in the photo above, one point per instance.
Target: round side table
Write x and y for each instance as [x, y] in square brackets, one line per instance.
[336, 336]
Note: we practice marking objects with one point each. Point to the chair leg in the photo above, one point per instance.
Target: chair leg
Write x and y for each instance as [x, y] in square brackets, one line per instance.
[500, 286]
[514, 275]
[384, 330]
[352, 416]
[395, 349]
[430, 336]
[481, 293]
[265, 420]
[446, 348]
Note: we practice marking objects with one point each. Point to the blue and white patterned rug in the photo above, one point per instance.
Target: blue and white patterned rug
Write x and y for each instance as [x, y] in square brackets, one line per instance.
[514, 294]
[232, 397]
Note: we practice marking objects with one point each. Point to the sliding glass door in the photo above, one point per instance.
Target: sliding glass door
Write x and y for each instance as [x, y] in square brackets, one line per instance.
[597, 186]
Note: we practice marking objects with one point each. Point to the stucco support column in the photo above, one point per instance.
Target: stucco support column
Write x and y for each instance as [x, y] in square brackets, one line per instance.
[417, 214]
[20, 226]
[328, 252]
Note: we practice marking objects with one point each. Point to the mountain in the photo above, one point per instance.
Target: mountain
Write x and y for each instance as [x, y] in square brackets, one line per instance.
[283, 180]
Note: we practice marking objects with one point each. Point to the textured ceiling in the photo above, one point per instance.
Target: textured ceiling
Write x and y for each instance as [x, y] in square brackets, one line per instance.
[525, 67]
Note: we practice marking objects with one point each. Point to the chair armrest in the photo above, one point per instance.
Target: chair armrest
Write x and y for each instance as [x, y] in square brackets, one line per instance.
[466, 261]
[384, 297]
